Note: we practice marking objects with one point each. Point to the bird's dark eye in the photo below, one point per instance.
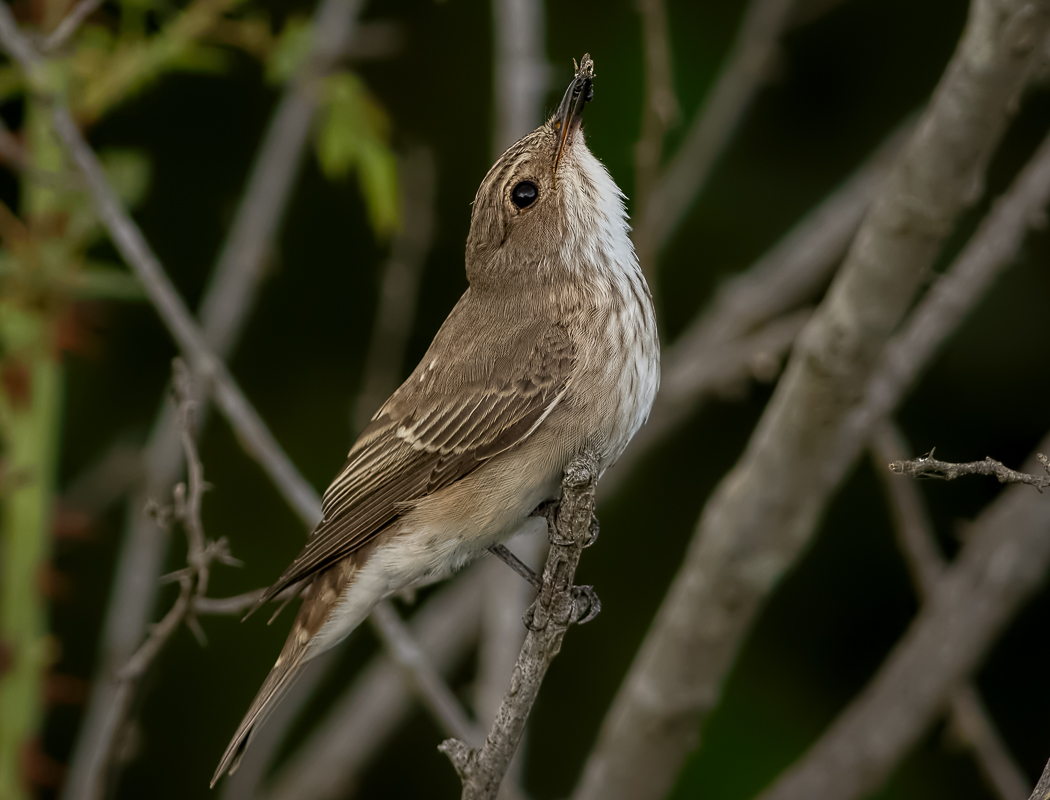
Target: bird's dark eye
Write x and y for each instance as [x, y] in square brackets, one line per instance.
[524, 194]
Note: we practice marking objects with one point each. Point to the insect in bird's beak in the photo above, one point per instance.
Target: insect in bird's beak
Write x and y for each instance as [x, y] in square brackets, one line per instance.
[570, 113]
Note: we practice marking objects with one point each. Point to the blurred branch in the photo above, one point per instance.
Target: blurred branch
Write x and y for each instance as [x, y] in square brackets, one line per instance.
[64, 31]
[370, 710]
[793, 271]
[521, 70]
[1002, 564]
[193, 580]
[764, 512]
[436, 695]
[929, 467]
[659, 112]
[918, 542]
[520, 80]
[741, 75]
[399, 286]
[12, 152]
[556, 607]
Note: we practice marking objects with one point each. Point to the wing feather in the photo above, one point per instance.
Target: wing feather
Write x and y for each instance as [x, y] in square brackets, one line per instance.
[437, 428]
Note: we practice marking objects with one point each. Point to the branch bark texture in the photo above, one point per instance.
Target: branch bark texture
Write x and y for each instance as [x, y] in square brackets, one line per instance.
[549, 617]
[764, 512]
[1003, 564]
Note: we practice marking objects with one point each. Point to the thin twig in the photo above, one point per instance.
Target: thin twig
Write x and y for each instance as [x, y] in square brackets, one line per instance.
[742, 73]
[555, 609]
[1003, 563]
[228, 299]
[69, 25]
[433, 691]
[764, 512]
[929, 467]
[918, 543]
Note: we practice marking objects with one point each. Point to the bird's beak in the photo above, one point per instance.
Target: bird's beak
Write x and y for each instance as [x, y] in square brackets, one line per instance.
[569, 116]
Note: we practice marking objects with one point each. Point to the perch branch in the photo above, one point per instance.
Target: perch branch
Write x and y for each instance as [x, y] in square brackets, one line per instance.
[918, 542]
[554, 610]
[764, 512]
[929, 467]
[1003, 563]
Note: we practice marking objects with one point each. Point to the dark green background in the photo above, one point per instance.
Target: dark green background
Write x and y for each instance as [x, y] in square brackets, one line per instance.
[840, 86]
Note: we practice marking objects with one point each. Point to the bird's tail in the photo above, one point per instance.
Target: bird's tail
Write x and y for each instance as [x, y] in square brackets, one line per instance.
[276, 685]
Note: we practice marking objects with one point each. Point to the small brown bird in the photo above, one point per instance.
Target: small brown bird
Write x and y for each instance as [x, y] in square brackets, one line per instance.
[553, 347]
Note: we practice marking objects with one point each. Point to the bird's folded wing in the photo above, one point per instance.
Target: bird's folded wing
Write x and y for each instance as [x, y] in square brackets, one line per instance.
[437, 428]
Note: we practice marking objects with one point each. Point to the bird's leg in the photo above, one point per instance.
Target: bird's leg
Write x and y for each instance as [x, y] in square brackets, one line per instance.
[516, 564]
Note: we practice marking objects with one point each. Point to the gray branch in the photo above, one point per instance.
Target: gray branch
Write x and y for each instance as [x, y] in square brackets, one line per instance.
[764, 512]
[794, 270]
[742, 73]
[556, 607]
[1042, 789]
[918, 543]
[1003, 563]
[370, 710]
[929, 467]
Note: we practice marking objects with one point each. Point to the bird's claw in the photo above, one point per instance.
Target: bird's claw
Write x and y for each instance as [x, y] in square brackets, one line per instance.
[585, 604]
[593, 531]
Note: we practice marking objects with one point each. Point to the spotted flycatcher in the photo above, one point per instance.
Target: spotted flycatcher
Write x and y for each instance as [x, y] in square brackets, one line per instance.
[553, 348]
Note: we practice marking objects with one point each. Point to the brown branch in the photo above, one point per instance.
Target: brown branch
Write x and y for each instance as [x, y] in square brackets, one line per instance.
[918, 542]
[556, 607]
[1003, 563]
[742, 73]
[929, 467]
[764, 512]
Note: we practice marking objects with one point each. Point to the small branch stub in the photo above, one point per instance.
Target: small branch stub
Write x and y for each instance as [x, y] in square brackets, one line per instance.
[929, 467]
[558, 605]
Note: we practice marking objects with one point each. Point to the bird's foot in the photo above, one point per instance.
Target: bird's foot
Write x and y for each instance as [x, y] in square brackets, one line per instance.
[585, 605]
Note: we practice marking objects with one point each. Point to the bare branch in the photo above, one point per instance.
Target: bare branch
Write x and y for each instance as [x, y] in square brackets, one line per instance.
[929, 467]
[399, 286]
[556, 607]
[371, 709]
[968, 715]
[435, 694]
[64, 31]
[1042, 789]
[1003, 563]
[659, 113]
[743, 71]
[793, 271]
[228, 299]
[521, 70]
[764, 512]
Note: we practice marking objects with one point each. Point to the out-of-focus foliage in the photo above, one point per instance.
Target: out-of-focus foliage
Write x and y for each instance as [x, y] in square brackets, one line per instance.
[353, 134]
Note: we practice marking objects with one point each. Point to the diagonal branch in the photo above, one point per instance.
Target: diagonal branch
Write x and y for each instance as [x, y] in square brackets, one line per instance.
[1003, 563]
[742, 73]
[918, 543]
[764, 512]
[556, 607]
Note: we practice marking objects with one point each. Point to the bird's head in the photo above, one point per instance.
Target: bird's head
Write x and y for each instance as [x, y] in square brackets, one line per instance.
[548, 205]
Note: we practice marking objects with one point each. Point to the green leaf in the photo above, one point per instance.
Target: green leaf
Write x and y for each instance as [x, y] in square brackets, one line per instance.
[291, 50]
[353, 134]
